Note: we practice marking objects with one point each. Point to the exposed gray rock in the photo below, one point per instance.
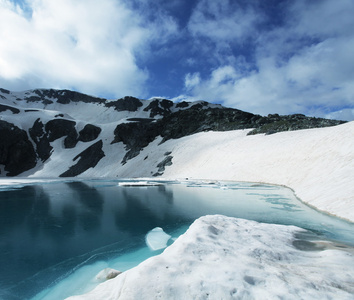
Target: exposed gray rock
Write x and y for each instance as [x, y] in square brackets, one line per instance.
[89, 158]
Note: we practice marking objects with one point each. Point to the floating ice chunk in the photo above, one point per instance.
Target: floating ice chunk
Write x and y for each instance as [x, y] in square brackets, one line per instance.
[107, 274]
[157, 239]
[139, 183]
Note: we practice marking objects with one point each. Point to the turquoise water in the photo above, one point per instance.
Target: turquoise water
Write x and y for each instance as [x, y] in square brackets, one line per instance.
[56, 235]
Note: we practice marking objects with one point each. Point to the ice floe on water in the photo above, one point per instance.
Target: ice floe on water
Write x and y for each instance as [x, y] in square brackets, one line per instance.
[157, 239]
[229, 258]
[139, 183]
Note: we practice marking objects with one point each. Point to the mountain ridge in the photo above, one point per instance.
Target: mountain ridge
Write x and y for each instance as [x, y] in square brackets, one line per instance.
[37, 125]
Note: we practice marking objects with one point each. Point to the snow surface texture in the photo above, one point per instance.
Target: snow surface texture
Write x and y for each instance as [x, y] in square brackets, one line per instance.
[318, 164]
[228, 258]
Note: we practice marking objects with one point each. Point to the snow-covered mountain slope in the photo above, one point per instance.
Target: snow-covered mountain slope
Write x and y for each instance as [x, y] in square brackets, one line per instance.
[50, 133]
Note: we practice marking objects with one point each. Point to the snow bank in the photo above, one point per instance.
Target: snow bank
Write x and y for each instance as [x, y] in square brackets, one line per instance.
[318, 164]
[227, 258]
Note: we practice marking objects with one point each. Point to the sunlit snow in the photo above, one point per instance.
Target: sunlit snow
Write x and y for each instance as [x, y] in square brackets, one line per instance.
[228, 258]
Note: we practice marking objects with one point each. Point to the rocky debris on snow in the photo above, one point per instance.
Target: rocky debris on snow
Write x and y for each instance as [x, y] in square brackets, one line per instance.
[107, 273]
[167, 161]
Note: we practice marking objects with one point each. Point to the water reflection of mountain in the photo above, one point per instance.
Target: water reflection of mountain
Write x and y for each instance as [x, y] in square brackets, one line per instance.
[14, 207]
[92, 201]
[41, 225]
[146, 208]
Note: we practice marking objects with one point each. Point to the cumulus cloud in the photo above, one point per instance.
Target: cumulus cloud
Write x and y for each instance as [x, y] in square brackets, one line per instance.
[223, 20]
[259, 56]
[305, 65]
[88, 45]
[192, 80]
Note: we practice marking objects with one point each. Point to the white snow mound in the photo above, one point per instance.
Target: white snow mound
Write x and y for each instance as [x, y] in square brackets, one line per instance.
[227, 258]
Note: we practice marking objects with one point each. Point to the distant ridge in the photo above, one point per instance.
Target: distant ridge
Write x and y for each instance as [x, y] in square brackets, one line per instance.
[40, 126]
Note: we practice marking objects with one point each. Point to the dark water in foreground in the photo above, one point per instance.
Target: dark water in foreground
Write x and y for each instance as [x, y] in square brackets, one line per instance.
[50, 229]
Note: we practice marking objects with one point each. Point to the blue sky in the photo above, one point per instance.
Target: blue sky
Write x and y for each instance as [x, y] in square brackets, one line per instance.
[262, 56]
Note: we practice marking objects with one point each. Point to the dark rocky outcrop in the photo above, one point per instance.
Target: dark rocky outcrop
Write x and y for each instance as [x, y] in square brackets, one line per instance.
[40, 138]
[199, 118]
[62, 96]
[147, 120]
[4, 91]
[138, 135]
[58, 128]
[16, 151]
[135, 136]
[275, 123]
[89, 133]
[127, 103]
[160, 107]
[10, 108]
[89, 158]
[182, 104]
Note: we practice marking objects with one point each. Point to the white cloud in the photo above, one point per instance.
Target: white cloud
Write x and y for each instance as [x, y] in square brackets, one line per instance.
[222, 20]
[82, 44]
[305, 66]
[192, 80]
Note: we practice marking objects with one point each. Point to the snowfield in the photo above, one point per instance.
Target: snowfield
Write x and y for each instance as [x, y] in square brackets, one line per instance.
[228, 258]
[318, 164]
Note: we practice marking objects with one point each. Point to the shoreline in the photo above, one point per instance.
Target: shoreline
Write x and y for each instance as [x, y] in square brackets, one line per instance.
[151, 180]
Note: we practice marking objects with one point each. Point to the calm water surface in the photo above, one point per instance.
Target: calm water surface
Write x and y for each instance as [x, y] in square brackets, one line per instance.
[51, 229]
